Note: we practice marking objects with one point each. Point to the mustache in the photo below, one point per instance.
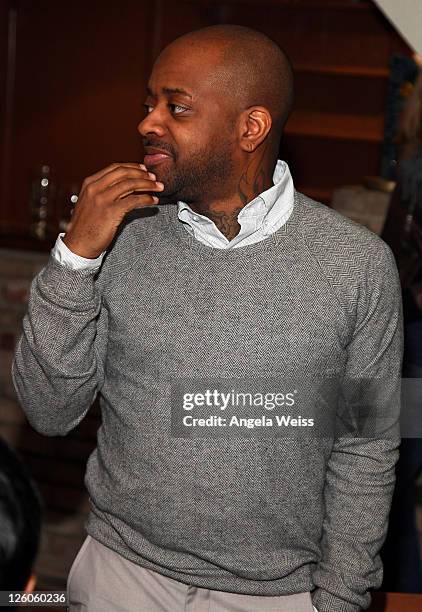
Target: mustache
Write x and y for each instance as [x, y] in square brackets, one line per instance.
[164, 146]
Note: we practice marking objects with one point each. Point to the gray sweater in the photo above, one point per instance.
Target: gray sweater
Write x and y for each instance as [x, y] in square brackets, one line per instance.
[247, 514]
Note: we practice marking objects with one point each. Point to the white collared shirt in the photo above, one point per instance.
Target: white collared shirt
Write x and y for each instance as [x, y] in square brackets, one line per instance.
[260, 218]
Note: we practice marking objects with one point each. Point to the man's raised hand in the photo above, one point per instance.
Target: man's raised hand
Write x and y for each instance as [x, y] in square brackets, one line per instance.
[104, 200]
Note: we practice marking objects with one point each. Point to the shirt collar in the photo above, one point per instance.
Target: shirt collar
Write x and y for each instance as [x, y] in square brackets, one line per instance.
[258, 207]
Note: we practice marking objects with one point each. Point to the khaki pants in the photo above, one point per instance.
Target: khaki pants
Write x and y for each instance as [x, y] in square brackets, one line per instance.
[101, 580]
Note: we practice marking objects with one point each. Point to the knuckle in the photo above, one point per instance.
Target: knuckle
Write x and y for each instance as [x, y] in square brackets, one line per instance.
[90, 190]
[122, 169]
[119, 174]
[128, 183]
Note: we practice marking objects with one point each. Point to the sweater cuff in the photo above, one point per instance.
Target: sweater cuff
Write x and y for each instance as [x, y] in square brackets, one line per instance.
[326, 602]
[67, 287]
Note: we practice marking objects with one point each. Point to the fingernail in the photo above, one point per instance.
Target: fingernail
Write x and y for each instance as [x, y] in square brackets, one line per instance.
[160, 185]
[142, 166]
[155, 199]
[151, 175]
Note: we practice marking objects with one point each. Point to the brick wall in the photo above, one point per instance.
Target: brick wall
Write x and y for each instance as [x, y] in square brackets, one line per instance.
[56, 463]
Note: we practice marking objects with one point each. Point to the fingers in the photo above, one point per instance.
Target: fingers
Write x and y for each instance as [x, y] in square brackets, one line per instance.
[127, 186]
[140, 201]
[112, 178]
[113, 168]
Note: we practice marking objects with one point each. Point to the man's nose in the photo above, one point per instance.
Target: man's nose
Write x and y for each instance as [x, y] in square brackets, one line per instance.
[152, 124]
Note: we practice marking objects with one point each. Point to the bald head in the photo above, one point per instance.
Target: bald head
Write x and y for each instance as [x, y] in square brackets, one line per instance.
[248, 66]
[217, 100]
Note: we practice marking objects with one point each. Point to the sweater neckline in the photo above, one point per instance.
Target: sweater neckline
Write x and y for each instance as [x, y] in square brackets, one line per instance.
[175, 226]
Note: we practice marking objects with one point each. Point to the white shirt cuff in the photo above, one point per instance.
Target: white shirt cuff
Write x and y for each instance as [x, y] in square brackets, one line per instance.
[315, 610]
[67, 258]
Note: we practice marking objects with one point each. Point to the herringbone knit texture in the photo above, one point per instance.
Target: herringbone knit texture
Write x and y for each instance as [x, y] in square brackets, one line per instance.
[249, 515]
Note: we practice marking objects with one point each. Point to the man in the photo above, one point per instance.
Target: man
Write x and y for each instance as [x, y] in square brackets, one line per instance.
[234, 276]
[20, 523]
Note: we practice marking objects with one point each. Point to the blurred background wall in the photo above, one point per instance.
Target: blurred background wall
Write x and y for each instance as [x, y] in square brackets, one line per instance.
[74, 73]
[72, 80]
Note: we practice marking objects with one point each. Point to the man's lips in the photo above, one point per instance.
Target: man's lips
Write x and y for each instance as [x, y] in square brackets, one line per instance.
[153, 160]
[155, 156]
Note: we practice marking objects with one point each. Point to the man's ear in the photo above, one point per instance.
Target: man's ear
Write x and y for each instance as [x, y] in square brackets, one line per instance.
[255, 125]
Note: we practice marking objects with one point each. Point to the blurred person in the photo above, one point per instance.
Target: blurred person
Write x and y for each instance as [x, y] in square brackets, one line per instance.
[231, 274]
[403, 232]
[20, 523]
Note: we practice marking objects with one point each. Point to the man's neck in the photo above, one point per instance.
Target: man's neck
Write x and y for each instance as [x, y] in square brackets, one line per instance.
[256, 178]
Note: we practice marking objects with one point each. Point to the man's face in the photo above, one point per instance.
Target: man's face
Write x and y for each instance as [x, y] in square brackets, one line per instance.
[189, 130]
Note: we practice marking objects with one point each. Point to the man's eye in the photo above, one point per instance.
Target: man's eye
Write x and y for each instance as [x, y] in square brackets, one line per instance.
[177, 109]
